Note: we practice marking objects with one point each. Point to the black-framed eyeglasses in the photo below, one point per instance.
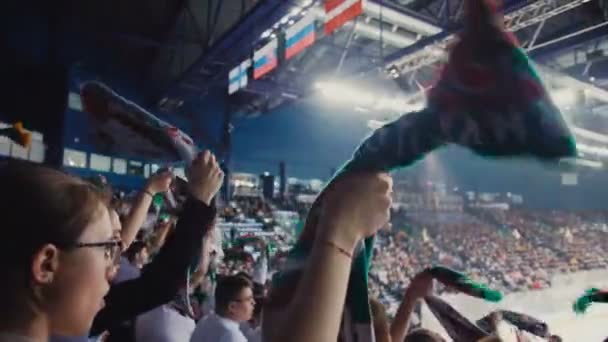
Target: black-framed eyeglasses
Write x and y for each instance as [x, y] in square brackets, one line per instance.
[111, 248]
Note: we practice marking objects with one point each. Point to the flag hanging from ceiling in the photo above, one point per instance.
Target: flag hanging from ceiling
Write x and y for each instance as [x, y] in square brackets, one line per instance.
[339, 12]
[299, 36]
[237, 78]
[265, 59]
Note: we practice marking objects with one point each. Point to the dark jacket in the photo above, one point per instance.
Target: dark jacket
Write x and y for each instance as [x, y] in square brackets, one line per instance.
[160, 280]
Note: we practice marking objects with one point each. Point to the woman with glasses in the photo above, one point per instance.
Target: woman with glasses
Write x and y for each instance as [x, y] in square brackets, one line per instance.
[57, 254]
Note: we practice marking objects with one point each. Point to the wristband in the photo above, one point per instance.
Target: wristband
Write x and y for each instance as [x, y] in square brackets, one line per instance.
[147, 192]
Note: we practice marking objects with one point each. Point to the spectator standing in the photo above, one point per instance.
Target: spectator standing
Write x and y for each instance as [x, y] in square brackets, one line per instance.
[234, 304]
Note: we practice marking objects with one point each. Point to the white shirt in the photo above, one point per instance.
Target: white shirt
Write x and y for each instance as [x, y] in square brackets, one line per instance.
[214, 328]
[126, 271]
[163, 324]
[252, 334]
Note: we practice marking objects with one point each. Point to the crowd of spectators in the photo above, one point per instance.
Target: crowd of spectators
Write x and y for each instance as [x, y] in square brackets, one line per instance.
[510, 250]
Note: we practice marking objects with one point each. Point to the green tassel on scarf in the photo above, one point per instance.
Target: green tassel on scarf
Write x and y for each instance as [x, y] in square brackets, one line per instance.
[592, 295]
[462, 283]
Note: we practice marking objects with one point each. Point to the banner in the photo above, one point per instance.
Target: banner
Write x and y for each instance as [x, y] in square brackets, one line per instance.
[265, 59]
[237, 78]
[339, 12]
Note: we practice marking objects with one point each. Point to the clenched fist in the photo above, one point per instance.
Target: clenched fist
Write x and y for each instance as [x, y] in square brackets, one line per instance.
[356, 206]
[205, 177]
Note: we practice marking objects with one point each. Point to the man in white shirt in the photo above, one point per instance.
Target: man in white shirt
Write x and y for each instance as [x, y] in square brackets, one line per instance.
[163, 324]
[234, 304]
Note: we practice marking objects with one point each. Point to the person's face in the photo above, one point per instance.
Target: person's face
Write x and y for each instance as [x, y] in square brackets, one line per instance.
[116, 234]
[75, 294]
[241, 309]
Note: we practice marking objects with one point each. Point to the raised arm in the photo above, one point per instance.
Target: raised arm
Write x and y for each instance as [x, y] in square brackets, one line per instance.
[354, 208]
[420, 286]
[157, 183]
[166, 275]
[159, 237]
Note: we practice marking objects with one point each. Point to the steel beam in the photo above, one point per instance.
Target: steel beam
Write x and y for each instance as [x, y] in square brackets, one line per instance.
[426, 51]
[569, 40]
[238, 40]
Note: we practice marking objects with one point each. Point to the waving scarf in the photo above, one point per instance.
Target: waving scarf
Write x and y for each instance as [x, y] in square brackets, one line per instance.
[488, 99]
[458, 327]
[122, 127]
[590, 296]
[462, 283]
[521, 321]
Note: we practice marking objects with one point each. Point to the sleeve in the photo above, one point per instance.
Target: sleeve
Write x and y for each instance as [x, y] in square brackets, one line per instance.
[160, 280]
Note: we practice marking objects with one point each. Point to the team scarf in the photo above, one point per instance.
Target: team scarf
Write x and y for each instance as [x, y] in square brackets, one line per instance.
[522, 321]
[121, 127]
[458, 327]
[463, 284]
[17, 134]
[488, 98]
[590, 296]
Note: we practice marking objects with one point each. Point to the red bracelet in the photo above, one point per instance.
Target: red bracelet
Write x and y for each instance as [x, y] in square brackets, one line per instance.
[340, 249]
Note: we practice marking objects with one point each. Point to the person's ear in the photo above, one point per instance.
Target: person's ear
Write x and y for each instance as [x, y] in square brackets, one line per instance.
[45, 263]
[232, 308]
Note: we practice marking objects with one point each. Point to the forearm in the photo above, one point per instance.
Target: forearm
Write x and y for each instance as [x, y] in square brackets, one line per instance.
[401, 323]
[136, 218]
[163, 277]
[316, 310]
[201, 271]
[159, 239]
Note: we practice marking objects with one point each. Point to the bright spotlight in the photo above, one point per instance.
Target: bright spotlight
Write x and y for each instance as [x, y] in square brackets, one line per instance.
[295, 12]
[358, 97]
[564, 97]
[266, 34]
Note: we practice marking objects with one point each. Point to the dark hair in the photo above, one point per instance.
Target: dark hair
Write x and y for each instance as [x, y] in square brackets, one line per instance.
[228, 290]
[38, 206]
[135, 248]
[423, 335]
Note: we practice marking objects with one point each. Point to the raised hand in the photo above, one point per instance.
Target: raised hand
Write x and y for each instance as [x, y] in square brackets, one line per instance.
[355, 207]
[420, 287]
[159, 182]
[205, 177]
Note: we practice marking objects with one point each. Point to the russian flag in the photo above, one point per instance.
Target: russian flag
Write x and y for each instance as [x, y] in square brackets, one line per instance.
[237, 77]
[338, 12]
[299, 36]
[265, 59]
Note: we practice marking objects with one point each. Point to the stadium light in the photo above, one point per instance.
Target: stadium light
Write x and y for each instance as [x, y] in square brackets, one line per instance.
[266, 34]
[362, 98]
[564, 97]
[294, 12]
